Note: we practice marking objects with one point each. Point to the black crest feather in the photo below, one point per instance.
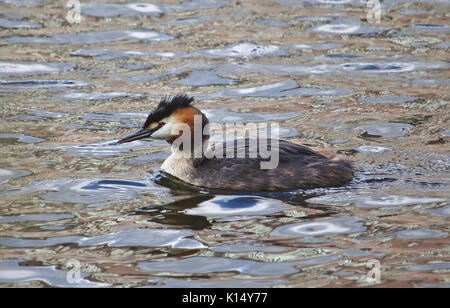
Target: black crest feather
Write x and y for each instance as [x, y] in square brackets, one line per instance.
[167, 106]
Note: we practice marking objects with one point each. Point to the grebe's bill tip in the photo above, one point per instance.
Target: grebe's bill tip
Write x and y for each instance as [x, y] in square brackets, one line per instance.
[140, 134]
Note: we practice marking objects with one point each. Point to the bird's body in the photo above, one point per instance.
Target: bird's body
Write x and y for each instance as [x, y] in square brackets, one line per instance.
[297, 167]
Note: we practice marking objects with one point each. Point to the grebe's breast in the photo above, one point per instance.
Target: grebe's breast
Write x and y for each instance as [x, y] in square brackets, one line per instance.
[298, 168]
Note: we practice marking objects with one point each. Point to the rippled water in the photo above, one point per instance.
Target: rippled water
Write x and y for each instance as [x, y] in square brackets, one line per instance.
[331, 78]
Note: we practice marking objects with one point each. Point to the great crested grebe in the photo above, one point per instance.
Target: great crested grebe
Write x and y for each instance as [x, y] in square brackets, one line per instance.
[298, 167]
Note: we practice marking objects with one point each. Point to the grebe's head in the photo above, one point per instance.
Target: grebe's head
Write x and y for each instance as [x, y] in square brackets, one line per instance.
[163, 122]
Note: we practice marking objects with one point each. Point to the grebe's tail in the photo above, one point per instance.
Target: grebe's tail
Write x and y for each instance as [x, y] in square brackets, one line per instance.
[334, 172]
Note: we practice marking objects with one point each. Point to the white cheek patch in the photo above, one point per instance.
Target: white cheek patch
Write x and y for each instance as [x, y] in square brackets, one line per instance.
[162, 133]
[165, 131]
[172, 128]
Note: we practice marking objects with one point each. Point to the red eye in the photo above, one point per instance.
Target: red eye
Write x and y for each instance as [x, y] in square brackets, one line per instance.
[162, 123]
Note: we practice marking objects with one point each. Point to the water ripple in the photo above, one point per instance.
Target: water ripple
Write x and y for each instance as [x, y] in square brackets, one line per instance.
[126, 238]
[90, 37]
[236, 205]
[321, 227]
[85, 191]
[11, 271]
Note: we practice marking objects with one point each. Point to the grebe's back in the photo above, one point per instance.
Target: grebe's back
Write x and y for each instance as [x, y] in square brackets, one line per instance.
[298, 168]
